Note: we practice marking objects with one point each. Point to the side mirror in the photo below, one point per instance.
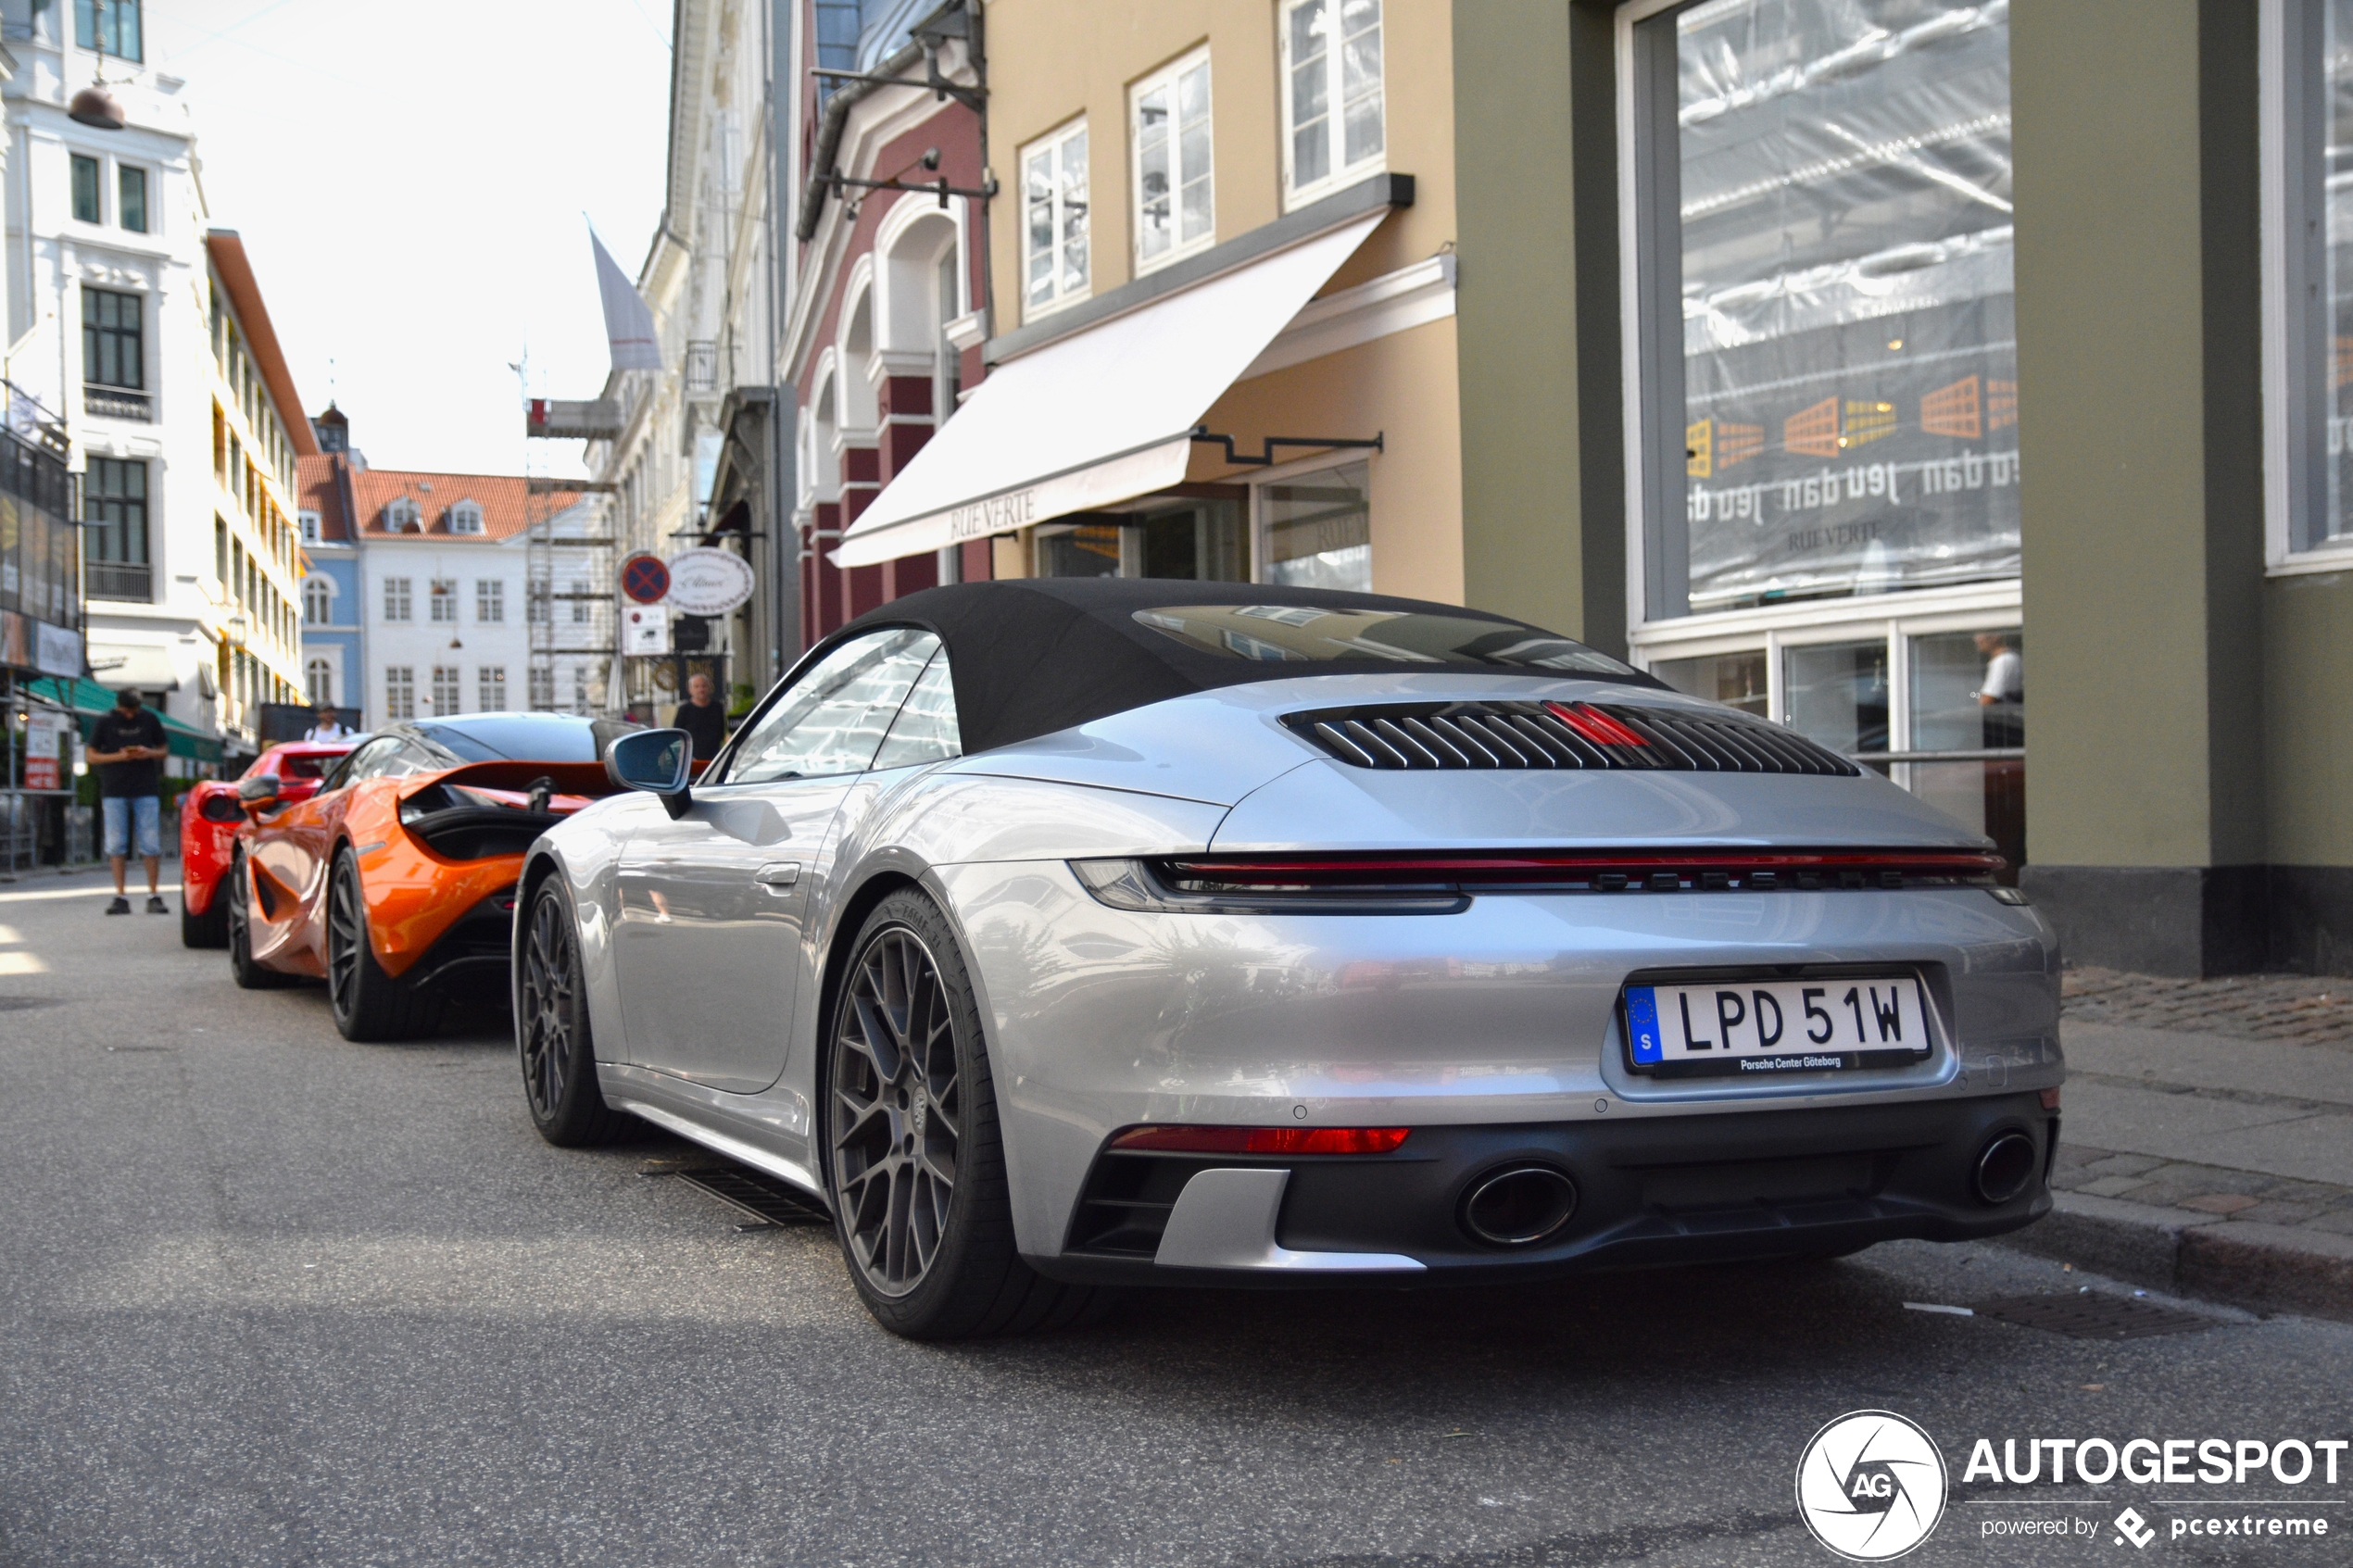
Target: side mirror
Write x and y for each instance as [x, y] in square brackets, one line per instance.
[660, 762]
[260, 790]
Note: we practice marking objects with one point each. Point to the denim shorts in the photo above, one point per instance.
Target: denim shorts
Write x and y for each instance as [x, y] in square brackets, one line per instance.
[121, 815]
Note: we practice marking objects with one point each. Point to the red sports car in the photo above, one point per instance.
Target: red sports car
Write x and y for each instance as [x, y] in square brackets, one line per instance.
[210, 814]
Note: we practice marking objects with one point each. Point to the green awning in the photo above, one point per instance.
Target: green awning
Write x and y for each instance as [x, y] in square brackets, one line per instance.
[89, 700]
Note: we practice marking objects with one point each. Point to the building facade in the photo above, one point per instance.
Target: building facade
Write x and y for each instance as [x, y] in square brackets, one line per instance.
[145, 330]
[424, 584]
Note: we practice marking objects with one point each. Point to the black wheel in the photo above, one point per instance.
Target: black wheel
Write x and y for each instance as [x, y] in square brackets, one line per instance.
[913, 1157]
[249, 973]
[210, 929]
[367, 1003]
[551, 1030]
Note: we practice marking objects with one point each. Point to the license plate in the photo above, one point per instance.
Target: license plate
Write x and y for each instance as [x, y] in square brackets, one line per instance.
[1752, 1027]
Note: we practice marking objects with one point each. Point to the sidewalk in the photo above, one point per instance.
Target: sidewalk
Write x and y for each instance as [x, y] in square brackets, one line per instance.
[2208, 1137]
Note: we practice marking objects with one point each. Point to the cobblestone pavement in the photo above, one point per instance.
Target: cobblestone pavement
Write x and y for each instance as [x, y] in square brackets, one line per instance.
[2210, 1189]
[2316, 1010]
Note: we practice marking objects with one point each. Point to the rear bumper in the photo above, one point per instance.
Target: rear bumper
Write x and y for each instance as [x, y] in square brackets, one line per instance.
[474, 953]
[1650, 1192]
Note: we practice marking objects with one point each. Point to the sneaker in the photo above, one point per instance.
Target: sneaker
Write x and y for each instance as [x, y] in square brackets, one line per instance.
[122, 906]
[156, 906]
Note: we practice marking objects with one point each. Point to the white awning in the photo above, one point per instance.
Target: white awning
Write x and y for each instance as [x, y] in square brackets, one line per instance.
[1096, 417]
[144, 665]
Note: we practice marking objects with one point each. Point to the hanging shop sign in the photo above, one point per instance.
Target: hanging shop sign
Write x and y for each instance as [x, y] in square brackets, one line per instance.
[644, 629]
[707, 581]
[644, 579]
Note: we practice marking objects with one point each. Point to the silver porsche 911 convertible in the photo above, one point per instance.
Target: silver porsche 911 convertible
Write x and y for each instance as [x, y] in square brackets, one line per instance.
[1059, 935]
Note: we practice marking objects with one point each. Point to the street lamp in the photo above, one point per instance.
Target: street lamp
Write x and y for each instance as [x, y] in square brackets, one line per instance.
[93, 106]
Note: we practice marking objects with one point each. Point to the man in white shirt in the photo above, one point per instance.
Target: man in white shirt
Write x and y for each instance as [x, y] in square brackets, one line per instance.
[2002, 692]
[329, 727]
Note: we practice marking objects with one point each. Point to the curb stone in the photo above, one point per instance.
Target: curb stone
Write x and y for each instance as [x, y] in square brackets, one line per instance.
[2184, 1252]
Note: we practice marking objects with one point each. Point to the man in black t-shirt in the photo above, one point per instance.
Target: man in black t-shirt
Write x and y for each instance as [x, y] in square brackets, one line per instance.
[703, 719]
[127, 747]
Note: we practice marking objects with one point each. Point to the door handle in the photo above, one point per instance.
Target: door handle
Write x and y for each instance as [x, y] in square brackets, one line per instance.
[778, 873]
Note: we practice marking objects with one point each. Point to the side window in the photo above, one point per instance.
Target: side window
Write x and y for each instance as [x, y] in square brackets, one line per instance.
[926, 729]
[835, 714]
[364, 763]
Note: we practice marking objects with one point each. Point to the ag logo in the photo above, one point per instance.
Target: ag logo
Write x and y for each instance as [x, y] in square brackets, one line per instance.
[1870, 1486]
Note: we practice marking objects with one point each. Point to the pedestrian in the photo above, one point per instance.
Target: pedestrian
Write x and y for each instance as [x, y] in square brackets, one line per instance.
[329, 726]
[2002, 692]
[128, 749]
[703, 719]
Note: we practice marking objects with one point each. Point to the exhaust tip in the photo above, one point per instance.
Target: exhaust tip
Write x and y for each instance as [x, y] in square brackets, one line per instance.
[2005, 1167]
[1519, 1206]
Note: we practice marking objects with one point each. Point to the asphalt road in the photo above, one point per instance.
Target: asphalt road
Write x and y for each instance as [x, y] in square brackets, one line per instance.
[268, 1297]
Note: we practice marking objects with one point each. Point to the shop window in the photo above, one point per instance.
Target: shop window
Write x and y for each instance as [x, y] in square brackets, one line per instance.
[1837, 694]
[1331, 67]
[1968, 695]
[2309, 255]
[1169, 129]
[1053, 198]
[1198, 538]
[1736, 679]
[1824, 366]
[1315, 530]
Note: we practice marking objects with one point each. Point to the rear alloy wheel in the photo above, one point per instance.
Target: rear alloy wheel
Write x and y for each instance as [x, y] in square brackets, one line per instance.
[210, 929]
[367, 1003]
[914, 1158]
[551, 1030]
[248, 971]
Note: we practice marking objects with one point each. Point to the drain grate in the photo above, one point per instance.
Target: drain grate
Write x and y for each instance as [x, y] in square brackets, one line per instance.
[2093, 1316]
[766, 1202]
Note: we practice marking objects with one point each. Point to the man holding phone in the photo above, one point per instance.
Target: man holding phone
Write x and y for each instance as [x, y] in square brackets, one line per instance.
[127, 747]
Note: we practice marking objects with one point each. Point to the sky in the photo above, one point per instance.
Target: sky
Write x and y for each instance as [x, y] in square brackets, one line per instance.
[410, 183]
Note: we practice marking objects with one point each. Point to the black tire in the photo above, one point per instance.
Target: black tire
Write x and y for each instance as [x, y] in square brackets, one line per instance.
[367, 1003]
[250, 973]
[210, 929]
[552, 1041]
[914, 1156]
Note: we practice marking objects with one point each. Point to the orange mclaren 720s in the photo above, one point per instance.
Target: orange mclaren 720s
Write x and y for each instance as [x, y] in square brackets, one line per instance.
[395, 882]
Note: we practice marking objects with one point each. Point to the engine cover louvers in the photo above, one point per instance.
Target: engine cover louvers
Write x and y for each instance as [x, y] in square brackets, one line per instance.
[1556, 734]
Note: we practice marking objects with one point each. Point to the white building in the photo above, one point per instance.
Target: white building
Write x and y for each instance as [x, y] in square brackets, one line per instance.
[444, 590]
[144, 329]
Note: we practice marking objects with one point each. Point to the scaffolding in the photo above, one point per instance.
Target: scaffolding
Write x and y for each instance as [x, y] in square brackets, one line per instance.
[568, 568]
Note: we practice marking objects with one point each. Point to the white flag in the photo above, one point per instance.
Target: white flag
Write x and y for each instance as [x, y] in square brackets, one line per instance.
[628, 323]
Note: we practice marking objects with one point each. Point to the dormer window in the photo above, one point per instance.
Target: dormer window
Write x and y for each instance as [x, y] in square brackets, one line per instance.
[400, 513]
[310, 520]
[466, 518]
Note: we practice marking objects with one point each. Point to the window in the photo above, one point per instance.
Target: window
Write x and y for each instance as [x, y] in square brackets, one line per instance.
[446, 702]
[490, 688]
[535, 605]
[1736, 679]
[1201, 537]
[85, 190]
[444, 598]
[466, 518]
[113, 492]
[1169, 127]
[581, 604]
[490, 600]
[309, 521]
[543, 689]
[131, 203]
[1316, 531]
[113, 345]
[833, 718]
[401, 512]
[926, 730]
[2308, 223]
[319, 681]
[1331, 93]
[400, 692]
[1823, 348]
[116, 32]
[1053, 198]
[317, 601]
[395, 598]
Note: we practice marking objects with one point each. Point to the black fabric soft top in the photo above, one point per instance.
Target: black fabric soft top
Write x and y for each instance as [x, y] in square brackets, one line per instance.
[1031, 656]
